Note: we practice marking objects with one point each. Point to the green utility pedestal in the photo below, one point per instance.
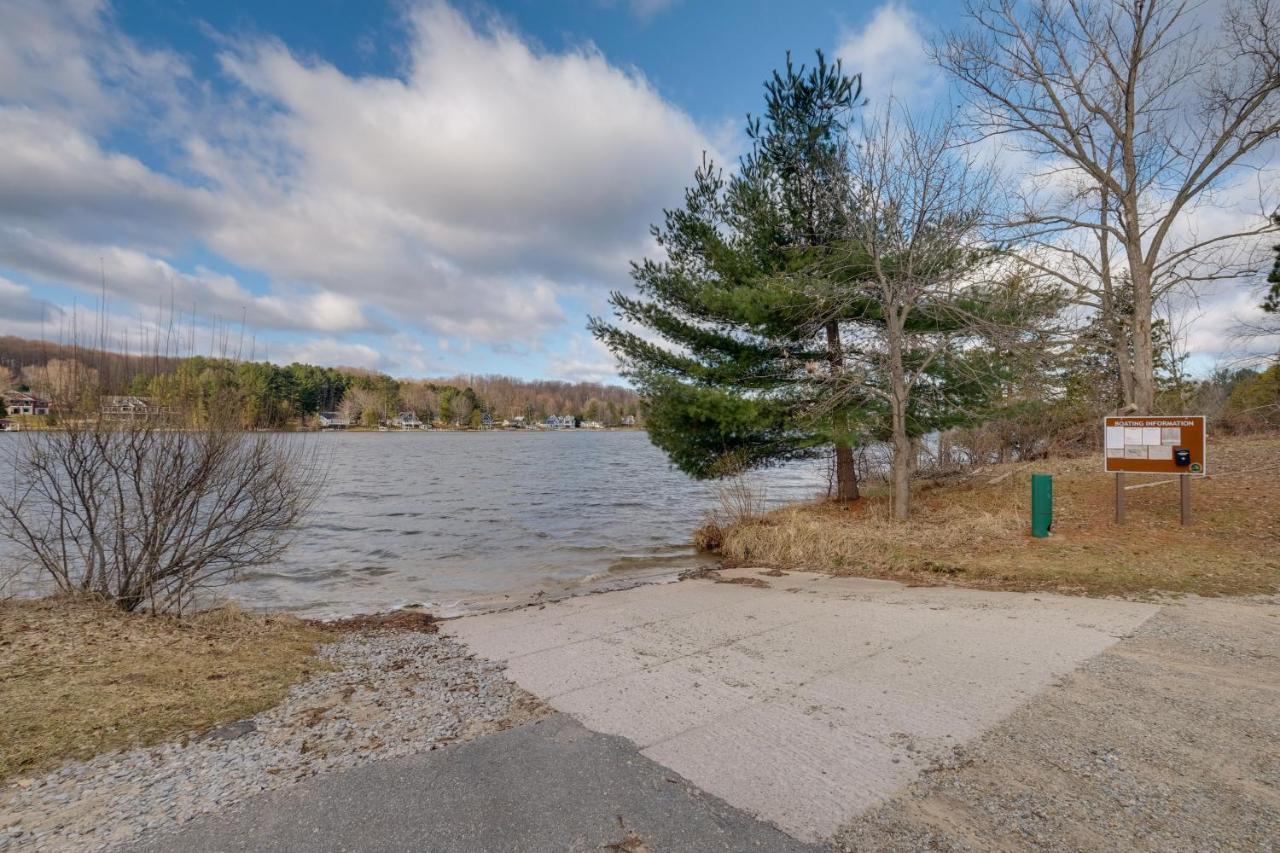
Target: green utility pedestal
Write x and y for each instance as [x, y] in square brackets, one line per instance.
[1041, 505]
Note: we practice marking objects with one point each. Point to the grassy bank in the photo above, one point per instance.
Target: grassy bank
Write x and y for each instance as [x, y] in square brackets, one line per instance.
[80, 678]
[975, 531]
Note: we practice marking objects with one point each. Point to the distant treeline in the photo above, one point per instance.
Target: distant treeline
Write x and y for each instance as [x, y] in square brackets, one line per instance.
[262, 394]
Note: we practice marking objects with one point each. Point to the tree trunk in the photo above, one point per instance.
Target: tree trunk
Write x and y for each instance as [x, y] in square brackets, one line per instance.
[1118, 334]
[846, 473]
[1124, 364]
[1144, 368]
[900, 468]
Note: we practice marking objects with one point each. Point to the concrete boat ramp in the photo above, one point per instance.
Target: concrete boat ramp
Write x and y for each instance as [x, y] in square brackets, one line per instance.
[806, 701]
[763, 713]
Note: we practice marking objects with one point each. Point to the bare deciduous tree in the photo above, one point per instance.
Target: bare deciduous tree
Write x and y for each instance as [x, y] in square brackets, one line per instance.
[1140, 114]
[356, 402]
[915, 245]
[67, 382]
[145, 515]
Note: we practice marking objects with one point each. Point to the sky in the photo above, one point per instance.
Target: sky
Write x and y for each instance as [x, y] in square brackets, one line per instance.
[420, 187]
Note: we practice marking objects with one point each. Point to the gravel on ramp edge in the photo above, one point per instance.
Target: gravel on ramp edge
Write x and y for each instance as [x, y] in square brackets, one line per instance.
[550, 786]
[392, 693]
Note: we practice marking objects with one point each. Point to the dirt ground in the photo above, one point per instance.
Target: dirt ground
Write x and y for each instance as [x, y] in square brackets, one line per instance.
[974, 530]
[1168, 741]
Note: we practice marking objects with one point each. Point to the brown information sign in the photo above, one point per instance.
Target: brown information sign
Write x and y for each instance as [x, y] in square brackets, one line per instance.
[1154, 445]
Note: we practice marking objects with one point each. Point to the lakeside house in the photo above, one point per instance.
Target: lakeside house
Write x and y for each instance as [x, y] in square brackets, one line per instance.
[561, 422]
[22, 403]
[333, 420]
[408, 420]
[131, 408]
[629, 420]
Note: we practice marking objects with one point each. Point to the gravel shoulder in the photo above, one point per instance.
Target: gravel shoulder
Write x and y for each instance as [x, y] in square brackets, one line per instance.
[1170, 740]
[390, 693]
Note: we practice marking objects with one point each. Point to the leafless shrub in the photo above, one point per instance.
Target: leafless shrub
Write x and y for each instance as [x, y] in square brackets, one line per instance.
[146, 515]
[740, 501]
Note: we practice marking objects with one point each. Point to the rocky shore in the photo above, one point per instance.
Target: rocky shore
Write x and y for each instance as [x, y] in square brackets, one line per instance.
[386, 692]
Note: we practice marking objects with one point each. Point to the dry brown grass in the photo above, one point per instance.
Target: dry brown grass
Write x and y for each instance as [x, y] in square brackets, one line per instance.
[78, 678]
[976, 532]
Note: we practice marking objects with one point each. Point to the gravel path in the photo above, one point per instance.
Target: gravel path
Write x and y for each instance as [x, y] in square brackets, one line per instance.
[391, 694]
[1168, 741]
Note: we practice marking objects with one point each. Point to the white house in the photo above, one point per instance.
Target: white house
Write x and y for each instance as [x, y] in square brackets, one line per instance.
[334, 420]
[131, 407]
[22, 403]
[407, 420]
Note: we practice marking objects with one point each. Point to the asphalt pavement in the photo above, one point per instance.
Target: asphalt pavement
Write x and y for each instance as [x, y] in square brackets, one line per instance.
[550, 786]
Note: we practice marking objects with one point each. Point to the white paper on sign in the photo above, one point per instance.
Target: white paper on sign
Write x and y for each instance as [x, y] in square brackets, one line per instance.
[1151, 435]
[1171, 435]
[1135, 452]
[1115, 437]
[1160, 452]
[1133, 435]
[1115, 452]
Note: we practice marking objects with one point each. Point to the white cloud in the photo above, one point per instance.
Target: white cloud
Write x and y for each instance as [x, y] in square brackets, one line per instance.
[489, 153]
[468, 194]
[64, 57]
[329, 351]
[148, 282]
[18, 306]
[463, 198]
[1213, 326]
[585, 360]
[55, 176]
[891, 53]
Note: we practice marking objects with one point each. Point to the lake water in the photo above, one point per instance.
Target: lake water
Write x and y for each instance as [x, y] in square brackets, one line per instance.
[459, 521]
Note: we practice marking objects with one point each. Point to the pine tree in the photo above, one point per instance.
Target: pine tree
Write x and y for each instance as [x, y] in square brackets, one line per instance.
[739, 345]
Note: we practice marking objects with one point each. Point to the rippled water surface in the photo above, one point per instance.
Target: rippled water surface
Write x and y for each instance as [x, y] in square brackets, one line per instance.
[458, 520]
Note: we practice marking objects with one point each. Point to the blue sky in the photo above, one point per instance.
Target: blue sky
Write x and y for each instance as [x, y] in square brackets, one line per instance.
[415, 186]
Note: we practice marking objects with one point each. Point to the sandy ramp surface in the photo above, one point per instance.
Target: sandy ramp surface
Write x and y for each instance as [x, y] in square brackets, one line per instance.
[807, 701]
